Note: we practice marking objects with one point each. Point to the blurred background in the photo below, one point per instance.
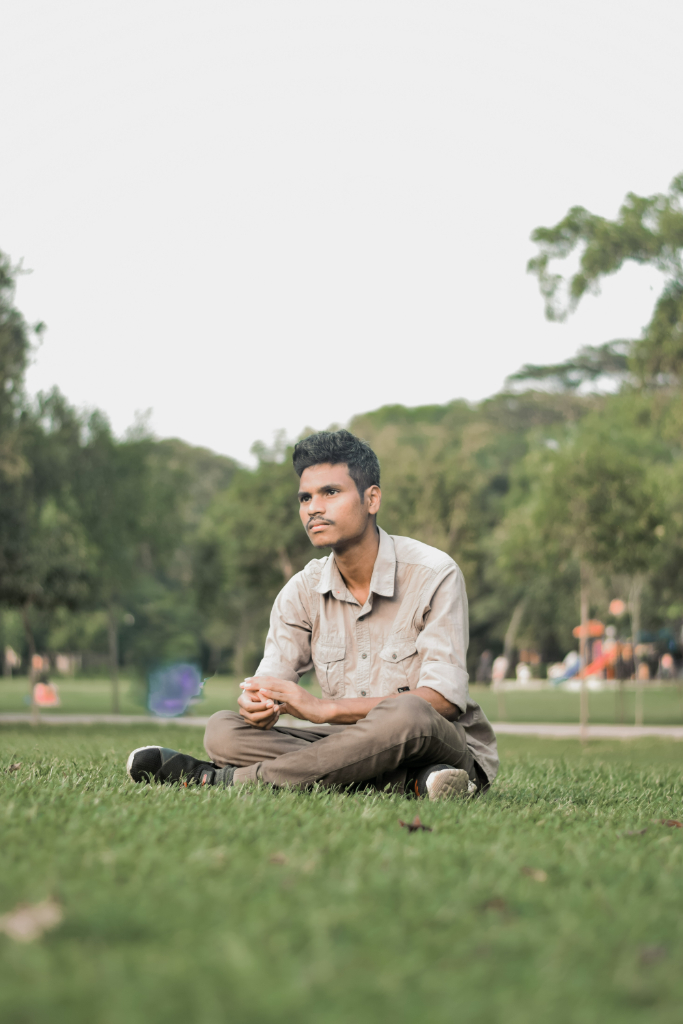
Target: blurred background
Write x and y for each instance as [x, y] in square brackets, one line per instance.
[244, 222]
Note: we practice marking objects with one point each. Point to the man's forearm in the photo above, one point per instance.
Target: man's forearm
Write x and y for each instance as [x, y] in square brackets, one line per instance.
[348, 710]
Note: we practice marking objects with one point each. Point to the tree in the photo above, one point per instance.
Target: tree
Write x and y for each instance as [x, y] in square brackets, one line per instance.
[600, 507]
[15, 345]
[590, 364]
[647, 230]
[44, 553]
[250, 543]
[129, 513]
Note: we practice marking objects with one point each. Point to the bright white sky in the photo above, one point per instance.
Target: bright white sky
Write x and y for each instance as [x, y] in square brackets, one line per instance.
[258, 214]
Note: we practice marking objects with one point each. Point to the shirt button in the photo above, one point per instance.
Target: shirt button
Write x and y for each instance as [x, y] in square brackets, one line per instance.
[362, 693]
[393, 655]
[365, 655]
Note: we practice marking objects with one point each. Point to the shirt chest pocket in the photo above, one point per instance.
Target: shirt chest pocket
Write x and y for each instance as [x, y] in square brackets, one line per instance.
[329, 660]
[400, 665]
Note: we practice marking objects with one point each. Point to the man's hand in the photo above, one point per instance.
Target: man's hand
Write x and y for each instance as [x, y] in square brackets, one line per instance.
[265, 698]
[259, 711]
[293, 700]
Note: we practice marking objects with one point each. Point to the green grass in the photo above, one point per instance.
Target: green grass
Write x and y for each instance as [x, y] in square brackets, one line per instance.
[662, 705]
[175, 910]
[93, 696]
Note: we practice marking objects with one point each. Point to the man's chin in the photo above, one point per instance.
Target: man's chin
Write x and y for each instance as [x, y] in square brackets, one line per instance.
[322, 539]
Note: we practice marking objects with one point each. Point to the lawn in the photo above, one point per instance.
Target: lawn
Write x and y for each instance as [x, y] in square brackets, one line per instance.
[662, 705]
[542, 901]
[93, 696]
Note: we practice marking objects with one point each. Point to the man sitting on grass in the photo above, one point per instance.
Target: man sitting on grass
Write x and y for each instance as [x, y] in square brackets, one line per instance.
[383, 620]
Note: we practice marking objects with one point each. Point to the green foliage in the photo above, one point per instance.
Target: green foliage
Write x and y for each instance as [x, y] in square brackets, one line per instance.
[267, 906]
[599, 501]
[15, 343]
[647, 230]
[156, 551]
[590, 364]
[250, 543]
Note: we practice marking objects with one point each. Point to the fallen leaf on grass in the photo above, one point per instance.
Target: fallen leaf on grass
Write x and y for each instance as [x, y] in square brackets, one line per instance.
[278, 858]
[671, 822]
[415, 825]
[15, 767]
[28, 921]
[634, 832]
[495, 904]
[538, 874]
[651, 954]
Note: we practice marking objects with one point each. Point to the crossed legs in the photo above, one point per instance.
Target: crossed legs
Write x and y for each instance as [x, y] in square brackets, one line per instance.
[399, 735]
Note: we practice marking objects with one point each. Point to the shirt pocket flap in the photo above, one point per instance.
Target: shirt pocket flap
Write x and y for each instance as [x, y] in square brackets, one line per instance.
[326, 651]
[396, 652]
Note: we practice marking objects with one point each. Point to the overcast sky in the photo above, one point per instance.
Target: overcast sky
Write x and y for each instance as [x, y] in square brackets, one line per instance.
[249, 215]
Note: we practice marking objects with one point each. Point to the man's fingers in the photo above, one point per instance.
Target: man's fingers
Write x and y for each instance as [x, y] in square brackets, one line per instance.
[260, 715]
[246, 701]
[254, 705]
[250, 684]
[259, 712]
[280, 695]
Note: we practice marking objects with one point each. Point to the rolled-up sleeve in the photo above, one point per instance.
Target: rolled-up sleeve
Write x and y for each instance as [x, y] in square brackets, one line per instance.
[442, 642]
[287, 653]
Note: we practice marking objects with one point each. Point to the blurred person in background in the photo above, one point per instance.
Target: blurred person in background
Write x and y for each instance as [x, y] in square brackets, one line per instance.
[383, 620]
[666, 666]
[499, 670]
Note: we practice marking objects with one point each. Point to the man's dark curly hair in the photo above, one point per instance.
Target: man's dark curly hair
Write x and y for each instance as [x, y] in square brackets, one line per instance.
[337, 447]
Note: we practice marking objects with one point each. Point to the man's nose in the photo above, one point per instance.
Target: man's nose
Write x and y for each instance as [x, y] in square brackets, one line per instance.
[317, 505]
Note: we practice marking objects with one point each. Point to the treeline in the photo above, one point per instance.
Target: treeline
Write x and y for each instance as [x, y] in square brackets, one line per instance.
[553, 498]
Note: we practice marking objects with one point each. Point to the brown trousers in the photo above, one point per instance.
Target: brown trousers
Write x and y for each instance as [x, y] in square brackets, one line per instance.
[397, 737]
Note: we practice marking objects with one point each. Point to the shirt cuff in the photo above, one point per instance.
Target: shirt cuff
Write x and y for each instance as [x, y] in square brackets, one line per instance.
[448, 680]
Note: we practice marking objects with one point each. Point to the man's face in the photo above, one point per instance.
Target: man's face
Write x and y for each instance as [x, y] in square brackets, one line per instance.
[330, 506]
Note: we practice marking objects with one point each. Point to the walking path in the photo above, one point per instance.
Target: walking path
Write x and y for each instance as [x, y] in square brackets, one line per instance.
[546, 730]
[24, 718]
[572, 731]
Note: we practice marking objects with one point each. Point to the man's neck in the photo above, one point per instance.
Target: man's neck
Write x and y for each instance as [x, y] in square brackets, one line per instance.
[356, 562]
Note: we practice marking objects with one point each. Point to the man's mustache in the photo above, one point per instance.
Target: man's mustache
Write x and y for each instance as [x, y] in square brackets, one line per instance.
[317, 521]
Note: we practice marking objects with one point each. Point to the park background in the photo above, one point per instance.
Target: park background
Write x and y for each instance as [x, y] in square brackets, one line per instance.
[227, 227]
[224, 224]
[559, 497]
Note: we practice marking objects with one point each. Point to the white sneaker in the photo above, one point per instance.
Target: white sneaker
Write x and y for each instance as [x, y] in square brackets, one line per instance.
[443, 783]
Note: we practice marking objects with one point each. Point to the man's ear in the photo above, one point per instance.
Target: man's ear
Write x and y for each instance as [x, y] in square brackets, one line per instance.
[373, 496]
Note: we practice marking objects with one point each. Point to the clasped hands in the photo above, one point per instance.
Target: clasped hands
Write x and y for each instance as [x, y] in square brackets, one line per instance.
[265, 698]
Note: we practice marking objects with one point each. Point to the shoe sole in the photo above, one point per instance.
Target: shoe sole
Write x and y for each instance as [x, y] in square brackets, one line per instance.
[449, 783]
[131, 756]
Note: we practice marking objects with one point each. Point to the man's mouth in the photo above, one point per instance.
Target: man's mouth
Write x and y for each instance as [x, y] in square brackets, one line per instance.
[317, 524]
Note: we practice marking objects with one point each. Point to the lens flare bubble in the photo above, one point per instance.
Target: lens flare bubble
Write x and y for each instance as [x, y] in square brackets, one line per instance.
[172, 689]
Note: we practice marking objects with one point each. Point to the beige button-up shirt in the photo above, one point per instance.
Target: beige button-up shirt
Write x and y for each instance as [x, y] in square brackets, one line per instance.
[412, 631]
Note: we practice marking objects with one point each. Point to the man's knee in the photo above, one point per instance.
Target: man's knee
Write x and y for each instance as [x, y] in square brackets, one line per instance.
[412, 714]
[220, 737]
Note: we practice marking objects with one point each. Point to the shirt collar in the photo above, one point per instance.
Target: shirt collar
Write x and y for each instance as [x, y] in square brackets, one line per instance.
[383, 573]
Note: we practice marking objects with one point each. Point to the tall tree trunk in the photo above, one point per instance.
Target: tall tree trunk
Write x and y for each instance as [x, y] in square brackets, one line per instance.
[31, 644]
[635, 604]
[583, 647]
[238, 663]
[508, 652]
[113, 634]
[513, 629]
